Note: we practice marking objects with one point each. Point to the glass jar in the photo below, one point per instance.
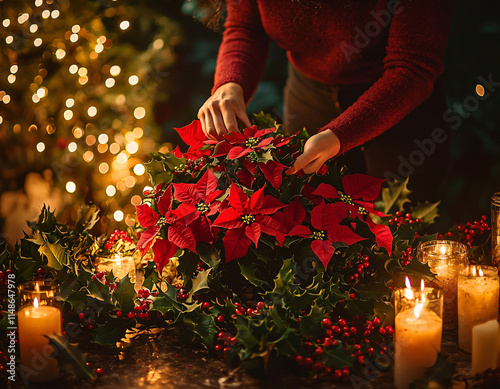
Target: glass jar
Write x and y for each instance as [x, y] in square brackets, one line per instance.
[39, 316]
[446, 259]
[495, 229]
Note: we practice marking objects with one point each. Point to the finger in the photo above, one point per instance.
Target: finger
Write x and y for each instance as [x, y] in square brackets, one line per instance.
[229, 120]
[313, 166]
[201, 117]
[300, 162]
[242, 115]
[211, 132]
[219, 125]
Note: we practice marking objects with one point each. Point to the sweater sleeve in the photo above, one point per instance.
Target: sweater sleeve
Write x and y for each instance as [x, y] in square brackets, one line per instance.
[414, 59]
[244, 49]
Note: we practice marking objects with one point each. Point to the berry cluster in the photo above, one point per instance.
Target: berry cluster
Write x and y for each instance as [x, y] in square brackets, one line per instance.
[116, 237]
[241, 310]
[470, 232]
[361, 266]
[406, 219]
[406, 257]
[224, 342]
[191, 167]
[342, 334]
[101, 277]
[143, 304]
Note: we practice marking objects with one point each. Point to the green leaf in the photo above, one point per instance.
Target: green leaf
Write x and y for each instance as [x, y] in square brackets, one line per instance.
[263, 120]
[394, 197]
[46, 221]
[249, 271]
[166, 301]
[68, 287]
[56, 255]
[87, 217]
[98, 290]
[188, 263]
[205, 328]
[157, 172]
[124, 294]
[290, 343]
[200, 281]
[208, 255]
[311, 323]
[78, 300]
[384, 311]
[427, 212]
[338, 357]
[112, 331]
[71, 360]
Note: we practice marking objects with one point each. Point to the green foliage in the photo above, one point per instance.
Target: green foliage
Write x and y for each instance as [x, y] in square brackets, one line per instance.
[71, 360]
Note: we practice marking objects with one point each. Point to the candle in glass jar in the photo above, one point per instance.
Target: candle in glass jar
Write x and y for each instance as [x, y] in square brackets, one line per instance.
[418, 329]
[445, 259]
[34, 323]
[478, 288]
[484, 356]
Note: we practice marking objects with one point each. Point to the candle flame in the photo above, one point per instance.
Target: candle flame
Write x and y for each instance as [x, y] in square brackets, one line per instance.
[408, 291]
[481, 274]
[37, 287]
[422, 285]
[442, 249]
[407, 282]
[418, 310]
[35, 302]
[473, 271]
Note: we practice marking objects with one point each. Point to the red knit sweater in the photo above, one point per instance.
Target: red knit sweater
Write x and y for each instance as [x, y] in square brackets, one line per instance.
[343, 42]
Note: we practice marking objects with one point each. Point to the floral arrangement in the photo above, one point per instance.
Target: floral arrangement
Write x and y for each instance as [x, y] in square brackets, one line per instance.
[259, 267]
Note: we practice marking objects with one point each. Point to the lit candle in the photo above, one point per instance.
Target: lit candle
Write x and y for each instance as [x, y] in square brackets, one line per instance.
[483, 355]
[418, 329]
[121, 266]
[477, 301]
[34, 323]
[445, 258]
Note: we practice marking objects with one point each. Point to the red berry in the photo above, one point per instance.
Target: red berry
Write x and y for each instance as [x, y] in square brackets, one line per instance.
[328, 342]
[376, 322]
[341, 322]
[260, 305]
[370, 351]
[81, 316]
[131, 315]
[119, 313]
[205, 305]
[100, 274]
[326, 322]
[308, 361]
[317, 366]
[318, 352]
[299, 358]
[99, 371]
[381, 331]
[352, 296]
[352, 330]
[337, 374]
[220, 319]
[218, 348]
[389, 330]
[398, 213]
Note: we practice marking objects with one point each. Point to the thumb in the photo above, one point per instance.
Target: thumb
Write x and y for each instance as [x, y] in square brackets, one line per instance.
[300, 163]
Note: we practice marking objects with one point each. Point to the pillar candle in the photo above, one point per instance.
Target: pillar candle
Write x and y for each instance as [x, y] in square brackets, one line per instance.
[477, 301]
[34, 323]
[483, 355]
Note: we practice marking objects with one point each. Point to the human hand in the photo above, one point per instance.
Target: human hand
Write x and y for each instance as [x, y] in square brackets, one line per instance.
[219, 114]
[318, 149]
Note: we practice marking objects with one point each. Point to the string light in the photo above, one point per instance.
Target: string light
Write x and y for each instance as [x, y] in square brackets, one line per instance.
[139, 169]
[115, 70]
[33, 28]
[41, 92]
[14, 68]
[110, 82]
[132, 147]
[103, 138]
[129, 136]
[158, 44]
[75, 29]
[90, 140]
[118, 216]
[60, 53]
[55, 14]
[103, 168]
[38, 3]
[46, 14]
[133, 80]
[73, 38]
[121, 158]
[6, 23]
[99, 48]
[130, 182]
[72, 147]
[82, 71]
[102, 148]
[23, 18]
[70, 102]
[37, 42]
[138, 132]
[124, 25]
[92, 111]
[139, 113]
[114, 148]
[88, 156]
[77, 132]
[110, 190]
[9, 39]
[70, 187]
[68, 114]
[136, 200]
[40, 147]
[11, 78]
[73, 69]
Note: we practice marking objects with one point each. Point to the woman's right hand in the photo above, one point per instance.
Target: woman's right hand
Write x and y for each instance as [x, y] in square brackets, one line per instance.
[219, 114]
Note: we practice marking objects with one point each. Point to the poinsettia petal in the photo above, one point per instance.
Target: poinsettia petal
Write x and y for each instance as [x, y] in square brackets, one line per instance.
[269, 226]
[235, 138]
[270, 205]
[333, 214]
[264, 142]
[263, 132]
[282, 141]
[165, 201]
[246, 178]
[201, 229]
[300, 230]
[295, 211]
[236, 244]
[147, 238]
[362, 186]
[382, 234]
[182, 236]
[192, 134]
[256, 201]
[326, 191]
[273, 171]
[176, 152]
[250, 132]
[186, 193]
[229, 218]
[147, 217]
[186, 212]
[163, 250]
[238, 152]
[206, 185]
[251, 166]
[253, 231]
[343, 234]
[222, 148]
[239, 200]
[324, 250]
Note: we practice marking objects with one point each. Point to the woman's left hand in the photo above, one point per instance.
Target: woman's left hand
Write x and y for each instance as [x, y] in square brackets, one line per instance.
[318, 149]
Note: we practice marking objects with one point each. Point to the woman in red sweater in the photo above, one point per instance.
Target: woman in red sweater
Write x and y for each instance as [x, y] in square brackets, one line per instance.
[357, 68]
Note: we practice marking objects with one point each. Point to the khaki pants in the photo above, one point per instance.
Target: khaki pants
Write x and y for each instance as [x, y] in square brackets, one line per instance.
[395, 153]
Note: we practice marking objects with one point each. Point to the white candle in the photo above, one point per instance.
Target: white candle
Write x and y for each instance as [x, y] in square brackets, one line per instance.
[417, 338]
[484, 356]
[477, 301]
[34, 323]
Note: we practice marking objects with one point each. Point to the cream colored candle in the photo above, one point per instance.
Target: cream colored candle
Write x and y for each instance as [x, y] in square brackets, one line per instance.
[477, 301]
[34, 323]
[418, 330]
[484, 356]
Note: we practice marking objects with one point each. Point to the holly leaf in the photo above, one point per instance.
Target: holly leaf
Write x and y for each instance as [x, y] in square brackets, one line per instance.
[157, 172]
[338, 357]
[68, 287]
[263, 120]
[200, 281]
[205, 328]
[77, 300]
[249, 271]
[124, 294]
[359, 307]
[112, 331]
[427, 212]
[56, 255]
[311, 323]
[394, 197]
[70, 359]
[98, 290]
[290, 343]
[166, 302]
[87, 217]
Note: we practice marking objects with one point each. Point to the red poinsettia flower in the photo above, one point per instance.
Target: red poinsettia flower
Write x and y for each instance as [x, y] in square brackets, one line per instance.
[245, 219]
[237, 145]
[326, 218]
[198, 202]
[193, 135]
[179, 235]
[360, 193]
[272, 170]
